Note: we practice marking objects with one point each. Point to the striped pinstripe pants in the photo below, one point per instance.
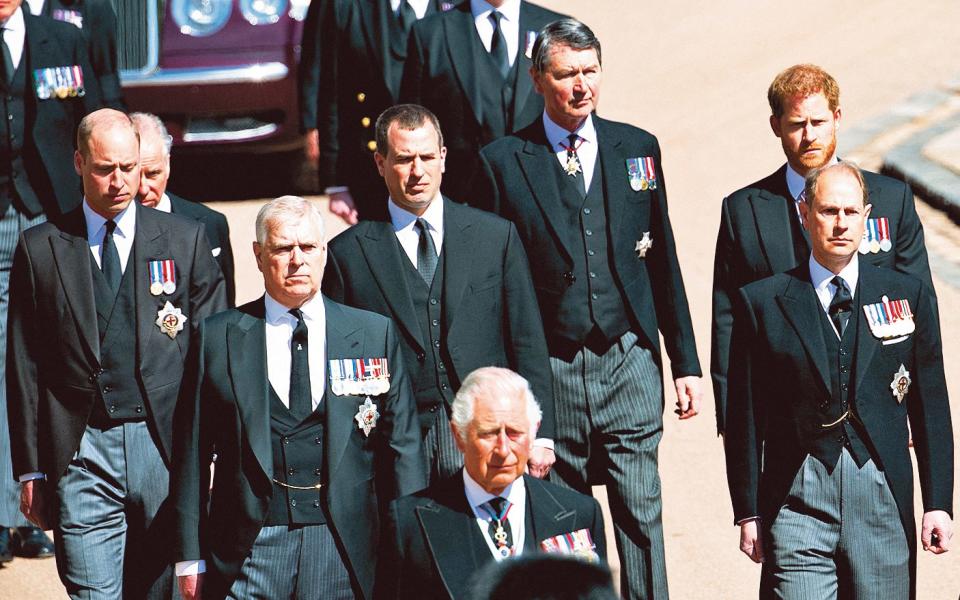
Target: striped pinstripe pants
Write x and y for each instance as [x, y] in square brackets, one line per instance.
[609, 416]
[440, 450]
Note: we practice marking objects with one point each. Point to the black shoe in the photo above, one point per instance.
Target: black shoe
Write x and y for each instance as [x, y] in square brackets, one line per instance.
[6, 553]
[34, 543]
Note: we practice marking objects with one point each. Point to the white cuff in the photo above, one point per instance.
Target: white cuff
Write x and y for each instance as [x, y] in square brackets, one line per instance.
[335, 189]
[190, 567]
[543, 443]
[747, 520]
[31, 477]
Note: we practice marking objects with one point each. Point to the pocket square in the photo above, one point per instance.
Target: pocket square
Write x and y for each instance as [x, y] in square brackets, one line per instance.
[215, 252]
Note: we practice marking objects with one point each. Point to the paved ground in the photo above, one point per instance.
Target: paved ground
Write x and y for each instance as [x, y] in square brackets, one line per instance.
[695, 73]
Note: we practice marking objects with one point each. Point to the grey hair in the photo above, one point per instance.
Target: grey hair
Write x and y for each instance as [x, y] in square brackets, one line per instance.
[565, 32]
[286, 208]
[146, 121]
[846, 166]
[496, 382]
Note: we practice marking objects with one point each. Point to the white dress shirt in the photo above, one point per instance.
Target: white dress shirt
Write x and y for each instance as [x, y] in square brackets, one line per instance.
[36, 6]
[419, 7]
[279, 329]
[164, 204]
[509, 24]
[404, 225]
[821, 278]
[586, 150]
[14, 34]
[126, 221]
[516, 494]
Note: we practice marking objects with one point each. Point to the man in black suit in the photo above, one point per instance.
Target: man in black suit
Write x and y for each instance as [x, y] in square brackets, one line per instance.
[453, 278]
[364, 45]
[588, 198]
[36, 181]
[98, 23]
[469, 66]
[308, 76]
[760, 231]
[307, 405]
[829, 363]
[103, 301]
[438, 539]
[155, 145]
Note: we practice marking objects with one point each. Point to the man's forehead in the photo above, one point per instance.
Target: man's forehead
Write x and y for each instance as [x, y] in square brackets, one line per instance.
[491, 409]
[289, 230]
[563, 55]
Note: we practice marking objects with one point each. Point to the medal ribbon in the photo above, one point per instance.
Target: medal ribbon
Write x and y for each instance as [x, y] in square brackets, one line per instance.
[499, 519]
[884, 225]
[651, 173]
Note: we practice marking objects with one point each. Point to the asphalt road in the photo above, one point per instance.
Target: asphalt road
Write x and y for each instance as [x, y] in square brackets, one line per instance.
[695, 74]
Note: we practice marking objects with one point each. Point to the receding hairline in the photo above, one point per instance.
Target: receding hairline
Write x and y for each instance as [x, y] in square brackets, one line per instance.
[98, 123]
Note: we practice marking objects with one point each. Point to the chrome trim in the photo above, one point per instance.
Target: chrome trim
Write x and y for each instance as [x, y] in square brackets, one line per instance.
[153, 47]
[256, 73]
[230, 136]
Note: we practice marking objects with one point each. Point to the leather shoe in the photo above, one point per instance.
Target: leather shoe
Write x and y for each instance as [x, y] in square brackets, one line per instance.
[34, 543]
[6, 553]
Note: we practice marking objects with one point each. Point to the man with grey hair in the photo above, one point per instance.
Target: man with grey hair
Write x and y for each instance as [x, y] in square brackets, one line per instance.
[155, 145]
[819, 471]
[104, 302]
[588, 198]
[490, 511]
[307, 405]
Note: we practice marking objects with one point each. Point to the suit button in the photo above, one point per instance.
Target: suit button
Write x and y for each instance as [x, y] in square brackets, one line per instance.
[590, 252]
[593, 275]
[586, 211]
[433, 408]
[293, 503]
[107, 389]
[113, 408]
[441, 366]
[285, 440]
[317, 440]
[316, 504]
[588, 232]
[317, 471]
[843, 351]
[435, 322]
[843, 369]
[433, 301]
[843, 386]
[443, 386]
[372, 146]
[420, 356]
[361, 97]
[593, 296]
[291, 471]
[436, 343]
[139, 409]
[365, 121]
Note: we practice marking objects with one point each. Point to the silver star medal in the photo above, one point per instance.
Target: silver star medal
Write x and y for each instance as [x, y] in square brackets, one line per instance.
[900, 384]
[170, 320]
[367, 416]
[644, 244]
[573, 166]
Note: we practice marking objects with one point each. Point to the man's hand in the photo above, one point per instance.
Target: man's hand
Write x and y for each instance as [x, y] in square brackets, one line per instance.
[341, 204]
[688, 396]
[541, 459]
[936, 531]
[751, 541]
[190, 586]
[33, 503]
[311, 145]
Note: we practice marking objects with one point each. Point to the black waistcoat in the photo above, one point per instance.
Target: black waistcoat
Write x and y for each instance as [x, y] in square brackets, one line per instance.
[119, 390]
[434, 376]
[14, 185]
[298, 450]
[594, 299]
[840, 352]
[497, 123]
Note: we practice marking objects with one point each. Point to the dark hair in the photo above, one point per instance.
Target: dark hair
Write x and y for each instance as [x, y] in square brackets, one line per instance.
[544, 577]
[406, 116]
[813, 179]
[565, 32]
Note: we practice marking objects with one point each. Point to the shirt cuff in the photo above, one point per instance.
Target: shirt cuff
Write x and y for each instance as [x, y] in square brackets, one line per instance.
[185, 568]
[31, 477]
[543, 443]
[335, 189]
[747, 520]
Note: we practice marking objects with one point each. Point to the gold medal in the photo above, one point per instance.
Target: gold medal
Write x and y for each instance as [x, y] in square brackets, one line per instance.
[156, 288]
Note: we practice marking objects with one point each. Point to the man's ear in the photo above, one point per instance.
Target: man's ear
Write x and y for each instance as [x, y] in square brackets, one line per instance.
[257, 249]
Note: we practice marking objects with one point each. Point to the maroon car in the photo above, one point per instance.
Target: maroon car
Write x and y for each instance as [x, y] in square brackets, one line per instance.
[218, 72]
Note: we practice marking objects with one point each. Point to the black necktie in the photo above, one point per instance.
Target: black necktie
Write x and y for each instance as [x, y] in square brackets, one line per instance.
[498, 45]
[301, 403]
[426, 252]
[841, 305]
[110, 258]
[499, 527]
[7, 65]
[407, 16]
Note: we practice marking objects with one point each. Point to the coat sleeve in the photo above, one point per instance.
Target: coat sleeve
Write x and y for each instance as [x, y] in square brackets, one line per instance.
[390, 567]
[327, 109]
[308, 72]
[92, 96]
[101, 35]
[911, 250]
[722, 328]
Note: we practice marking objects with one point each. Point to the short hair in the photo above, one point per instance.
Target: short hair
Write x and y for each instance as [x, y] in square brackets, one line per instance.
[494, 381]
[146, 121]
[544, 577]
[286, 208]
[406, 116]
[565, 32]
[802, 80]
[813, 179]
[105, 118]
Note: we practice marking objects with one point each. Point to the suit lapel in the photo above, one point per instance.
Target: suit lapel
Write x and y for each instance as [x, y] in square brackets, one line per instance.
[770, 207]
[613, 169]
[535, 161]
[383, 255]
[71, 254]
[247, 360]
[344, 340]
[458, 253]
[446, 527]
[800, 306]
[869, 291]
[461, 34]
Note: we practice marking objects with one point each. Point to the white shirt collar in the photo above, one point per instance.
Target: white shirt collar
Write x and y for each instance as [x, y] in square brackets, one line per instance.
[313, 310]
[796, 181]
[164, 204]
[557, 135]
[403, 219]
[515, 493]
[482, 9]
[126, 221]
[15, 21]
[36, 6]
[821, 278]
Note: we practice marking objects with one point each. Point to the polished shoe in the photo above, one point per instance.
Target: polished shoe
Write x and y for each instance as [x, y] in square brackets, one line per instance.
[6, 552]
[34, 543]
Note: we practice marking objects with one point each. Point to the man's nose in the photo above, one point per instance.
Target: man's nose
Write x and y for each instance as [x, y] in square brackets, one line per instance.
[503, 444]
[809, 132]
[116, 178]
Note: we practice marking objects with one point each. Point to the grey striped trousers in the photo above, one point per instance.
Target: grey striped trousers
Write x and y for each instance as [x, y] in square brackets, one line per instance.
[609, 415]
[443, 458]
